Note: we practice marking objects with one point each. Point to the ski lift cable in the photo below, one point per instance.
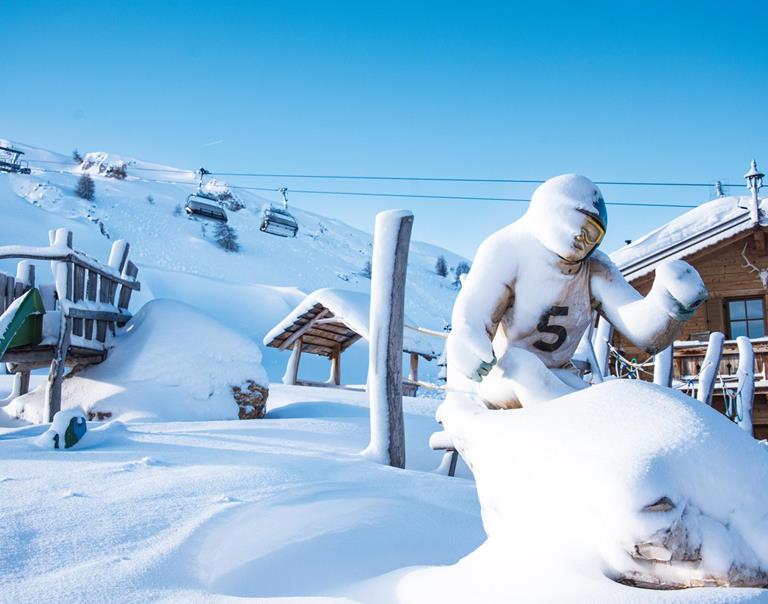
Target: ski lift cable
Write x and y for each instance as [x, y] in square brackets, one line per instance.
[638, 183]
[401, 195]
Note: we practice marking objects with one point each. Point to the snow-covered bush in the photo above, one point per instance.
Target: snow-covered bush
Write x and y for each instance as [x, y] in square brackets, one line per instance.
[105, 165]
[441, 266]
[76, 157]
[226, 237]
[221, 191]
[85, 188]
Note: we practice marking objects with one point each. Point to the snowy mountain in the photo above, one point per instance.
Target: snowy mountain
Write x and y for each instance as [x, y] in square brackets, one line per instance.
[178, 257]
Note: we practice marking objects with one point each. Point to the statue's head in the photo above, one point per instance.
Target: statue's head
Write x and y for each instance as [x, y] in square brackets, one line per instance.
[568, 216]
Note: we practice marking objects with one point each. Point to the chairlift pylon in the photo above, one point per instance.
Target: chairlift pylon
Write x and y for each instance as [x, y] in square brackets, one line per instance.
[279, 221]
[10, 161]
[199, 203]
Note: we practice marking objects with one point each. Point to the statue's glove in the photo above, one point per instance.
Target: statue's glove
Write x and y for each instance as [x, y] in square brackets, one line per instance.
[470, 353]
[678, 289]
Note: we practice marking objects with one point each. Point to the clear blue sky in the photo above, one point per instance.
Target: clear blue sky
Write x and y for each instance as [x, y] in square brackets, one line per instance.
[628, 91]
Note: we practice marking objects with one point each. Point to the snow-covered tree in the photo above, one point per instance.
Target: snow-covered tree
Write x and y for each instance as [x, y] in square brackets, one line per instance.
[77, 157]
[441, 266]
[85, 188]
[226, 237]
[462, 268]
[366, 270]
[150, 200]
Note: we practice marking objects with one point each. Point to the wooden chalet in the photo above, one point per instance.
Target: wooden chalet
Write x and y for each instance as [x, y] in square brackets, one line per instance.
[327, 323]
[725, 240]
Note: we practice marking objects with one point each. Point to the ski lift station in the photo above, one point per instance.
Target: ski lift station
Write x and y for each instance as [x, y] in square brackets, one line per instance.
[10, 161]
[204, 204]
[327, 323]
[279, 221]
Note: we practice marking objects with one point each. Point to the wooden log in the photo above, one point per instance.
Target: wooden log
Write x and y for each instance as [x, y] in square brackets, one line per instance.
[709, 367]
[78, 294]
[662, 367]
[746, 384]
[603, 335]
[385, 362]
[91, 290]
[56, 372]
[336, 366]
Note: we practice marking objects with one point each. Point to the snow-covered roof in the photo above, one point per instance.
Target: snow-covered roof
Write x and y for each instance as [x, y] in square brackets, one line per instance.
[346, 307]
[697, 229]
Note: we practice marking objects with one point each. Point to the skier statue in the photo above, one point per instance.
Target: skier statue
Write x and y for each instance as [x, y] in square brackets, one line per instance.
[531, 292]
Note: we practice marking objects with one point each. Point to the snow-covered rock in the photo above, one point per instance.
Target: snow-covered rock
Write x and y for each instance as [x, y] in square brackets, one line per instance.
[626, 480]
[172, 362]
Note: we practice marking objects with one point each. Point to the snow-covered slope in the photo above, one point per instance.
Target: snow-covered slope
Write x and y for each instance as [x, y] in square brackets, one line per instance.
[178, 258]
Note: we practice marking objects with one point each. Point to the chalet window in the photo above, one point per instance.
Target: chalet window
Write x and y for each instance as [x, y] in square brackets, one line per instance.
[746, 317]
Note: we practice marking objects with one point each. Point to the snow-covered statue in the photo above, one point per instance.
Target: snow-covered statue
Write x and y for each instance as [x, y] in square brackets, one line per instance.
[531, 292]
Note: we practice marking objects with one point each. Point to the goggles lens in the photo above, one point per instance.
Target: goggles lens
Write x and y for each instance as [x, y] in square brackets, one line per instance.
[593, 232]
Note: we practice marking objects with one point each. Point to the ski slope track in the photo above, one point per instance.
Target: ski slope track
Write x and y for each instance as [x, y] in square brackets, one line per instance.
[251, 290]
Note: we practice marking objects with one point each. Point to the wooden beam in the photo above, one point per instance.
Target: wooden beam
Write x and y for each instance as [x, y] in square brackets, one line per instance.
[301, 331]
[759, 239]
[336, 366]
[297, 348]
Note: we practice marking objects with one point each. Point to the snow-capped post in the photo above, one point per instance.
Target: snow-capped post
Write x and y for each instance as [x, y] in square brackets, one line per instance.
[745, 390]
[603, 335]
[709, 367]
[662, 367]
[754, 180]
[62, 272]
[385, 359]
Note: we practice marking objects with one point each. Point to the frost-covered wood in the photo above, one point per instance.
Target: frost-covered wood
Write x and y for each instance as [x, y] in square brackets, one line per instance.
[746, 384]
[385, 365]
[662, 367]
[603, 335]
[708, 371]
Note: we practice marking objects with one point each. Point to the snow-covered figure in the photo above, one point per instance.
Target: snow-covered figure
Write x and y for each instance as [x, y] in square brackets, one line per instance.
[531, 292]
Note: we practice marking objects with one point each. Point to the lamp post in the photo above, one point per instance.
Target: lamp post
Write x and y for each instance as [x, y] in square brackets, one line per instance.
[754, 181]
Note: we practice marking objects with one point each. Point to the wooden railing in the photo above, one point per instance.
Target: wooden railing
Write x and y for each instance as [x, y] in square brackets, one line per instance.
[91, 299]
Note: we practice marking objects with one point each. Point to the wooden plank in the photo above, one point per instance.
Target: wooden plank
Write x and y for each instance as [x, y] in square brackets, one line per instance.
[10, 287]
[78, 294]
[3, 302]
[414, 373]
[91, 289]
[105, 285]
[310, 338]
[99, 315]
[124, 298]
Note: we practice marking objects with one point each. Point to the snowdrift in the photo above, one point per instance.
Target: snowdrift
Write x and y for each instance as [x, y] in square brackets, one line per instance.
[171, 363]
[625, 480]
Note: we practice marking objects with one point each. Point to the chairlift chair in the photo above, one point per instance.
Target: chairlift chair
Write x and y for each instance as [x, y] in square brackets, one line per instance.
[279, 221]
[204, 204]
[10, 161]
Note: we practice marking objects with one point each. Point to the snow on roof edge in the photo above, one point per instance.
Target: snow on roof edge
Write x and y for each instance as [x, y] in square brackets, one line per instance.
[351, 308]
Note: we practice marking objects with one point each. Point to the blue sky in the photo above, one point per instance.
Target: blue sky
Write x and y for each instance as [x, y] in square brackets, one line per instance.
[615, 91]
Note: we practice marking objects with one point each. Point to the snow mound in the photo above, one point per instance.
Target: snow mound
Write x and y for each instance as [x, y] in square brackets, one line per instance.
[625, 480]
[104, 164]
[172, 362]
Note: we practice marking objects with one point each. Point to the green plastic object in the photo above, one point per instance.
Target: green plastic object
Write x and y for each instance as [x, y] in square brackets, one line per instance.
[26, 325]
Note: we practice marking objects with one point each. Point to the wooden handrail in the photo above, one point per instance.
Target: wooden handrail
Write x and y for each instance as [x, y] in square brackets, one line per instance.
[58, 254]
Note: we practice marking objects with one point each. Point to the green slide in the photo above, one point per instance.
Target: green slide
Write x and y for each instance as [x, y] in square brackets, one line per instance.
[22, 322]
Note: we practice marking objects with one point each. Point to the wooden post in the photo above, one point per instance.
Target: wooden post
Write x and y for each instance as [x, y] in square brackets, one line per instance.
[291, 374]
[385, 362]
[710, 367]
[662, 367]
[413, 375]
[746, 388]
[77, 295]
[603, 335]
[3, 302]
[336, 365]
[25, 277]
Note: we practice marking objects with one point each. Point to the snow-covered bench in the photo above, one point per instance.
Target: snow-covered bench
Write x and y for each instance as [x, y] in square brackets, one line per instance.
[82, 308]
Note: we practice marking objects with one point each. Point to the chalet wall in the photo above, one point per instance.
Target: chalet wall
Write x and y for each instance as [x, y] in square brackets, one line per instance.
[725, 276]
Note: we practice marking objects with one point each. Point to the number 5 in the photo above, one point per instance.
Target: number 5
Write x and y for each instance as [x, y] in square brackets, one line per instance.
[558, 330]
